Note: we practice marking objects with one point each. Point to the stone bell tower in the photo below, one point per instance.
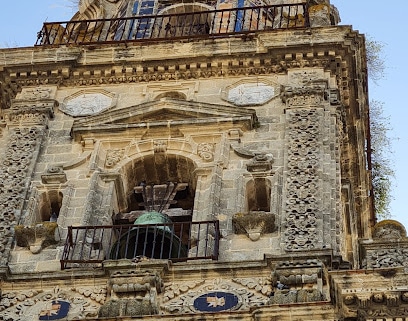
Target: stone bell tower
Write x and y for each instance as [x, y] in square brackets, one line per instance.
[195, 160]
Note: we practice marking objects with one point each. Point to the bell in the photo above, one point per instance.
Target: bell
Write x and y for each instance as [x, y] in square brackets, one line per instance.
[152, 241]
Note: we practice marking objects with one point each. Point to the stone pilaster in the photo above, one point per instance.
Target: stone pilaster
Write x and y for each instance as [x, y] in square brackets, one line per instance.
[26, 122]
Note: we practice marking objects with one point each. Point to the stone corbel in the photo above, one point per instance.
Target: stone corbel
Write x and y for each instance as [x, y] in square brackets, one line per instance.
[133, 293]
[253, 224]
[36, 237]
[260, 163]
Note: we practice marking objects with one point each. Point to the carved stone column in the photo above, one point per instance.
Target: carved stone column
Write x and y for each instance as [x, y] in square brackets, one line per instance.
[26, 122]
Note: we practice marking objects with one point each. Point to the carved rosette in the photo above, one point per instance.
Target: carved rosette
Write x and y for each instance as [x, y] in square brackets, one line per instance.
[303, 219]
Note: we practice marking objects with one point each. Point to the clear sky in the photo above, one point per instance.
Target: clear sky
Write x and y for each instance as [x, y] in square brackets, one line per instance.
[20, 20]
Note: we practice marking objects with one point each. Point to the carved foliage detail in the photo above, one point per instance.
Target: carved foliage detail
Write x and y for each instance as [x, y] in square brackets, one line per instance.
[179, 298]
[27, 305]
[13, 176]
[384, 258]
[302, 186]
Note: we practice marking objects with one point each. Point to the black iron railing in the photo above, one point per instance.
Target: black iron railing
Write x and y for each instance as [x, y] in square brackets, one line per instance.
[215, 23]
[89, 246]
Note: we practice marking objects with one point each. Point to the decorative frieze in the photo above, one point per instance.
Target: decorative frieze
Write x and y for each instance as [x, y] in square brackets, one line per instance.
[66, 304]
[215, 295]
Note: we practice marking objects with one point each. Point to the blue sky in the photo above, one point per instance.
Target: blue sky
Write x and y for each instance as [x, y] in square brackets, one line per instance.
[20, 20]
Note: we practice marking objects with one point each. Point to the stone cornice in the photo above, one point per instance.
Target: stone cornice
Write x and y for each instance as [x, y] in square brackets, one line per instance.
[261, 54]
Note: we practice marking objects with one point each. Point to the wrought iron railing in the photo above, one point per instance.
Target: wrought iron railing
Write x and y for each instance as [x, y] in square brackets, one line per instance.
[89, 246]
[214, 23]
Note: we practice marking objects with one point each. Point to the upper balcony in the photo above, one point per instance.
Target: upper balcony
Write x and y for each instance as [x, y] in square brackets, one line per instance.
[186, 25]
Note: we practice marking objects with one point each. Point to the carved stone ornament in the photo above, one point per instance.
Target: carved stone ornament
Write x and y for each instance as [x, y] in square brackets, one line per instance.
[389, 230]
[66, 304]
[386, 257]
[36, 237]
[249, 92]
[133, 293]
[88, 102]
[260, 163]
[37, 93]
[311, 95]
[303, 218]
[253, 224]
[206, 151]
[114, 156]
[54, 175]
[14, 169]
[187, 297]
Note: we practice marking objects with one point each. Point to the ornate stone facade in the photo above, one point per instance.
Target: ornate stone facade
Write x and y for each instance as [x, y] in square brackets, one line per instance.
[246, 150]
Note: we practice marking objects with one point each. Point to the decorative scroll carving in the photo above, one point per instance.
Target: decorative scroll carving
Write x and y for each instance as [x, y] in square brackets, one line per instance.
[304, 96]
[254, 224]
[30, 114]
[206, 151]
[37, 93]
[384, 258]
[36, 237]
[182, 301]
[14, 168]
[114, 156]
[261, 285]
[389, 229]
[302, 186]
[28, 305]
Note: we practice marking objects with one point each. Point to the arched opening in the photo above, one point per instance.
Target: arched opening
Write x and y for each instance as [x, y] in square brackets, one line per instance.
[187, 19]
[172, 95]
[160, 200]
[50, 203]
[258, 195]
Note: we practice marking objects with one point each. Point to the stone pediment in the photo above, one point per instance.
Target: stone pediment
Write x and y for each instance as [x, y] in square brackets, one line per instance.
[165, 112]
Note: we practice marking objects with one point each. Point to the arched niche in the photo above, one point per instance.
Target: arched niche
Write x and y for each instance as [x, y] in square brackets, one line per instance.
[49, 206]
[258, 194]
[155, 169]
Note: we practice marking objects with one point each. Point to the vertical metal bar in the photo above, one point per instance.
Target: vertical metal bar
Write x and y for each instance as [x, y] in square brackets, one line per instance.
[162, 242]
[154, 241]
[198, 238]
[181, 240]
[136, 243]
[145, 240]
[217, 240]
[306, 11]
[206, 239]
[171, 241]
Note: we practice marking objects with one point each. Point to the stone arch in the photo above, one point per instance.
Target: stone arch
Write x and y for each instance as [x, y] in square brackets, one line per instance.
[191, 22]
[172, 95]
[159, 169]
